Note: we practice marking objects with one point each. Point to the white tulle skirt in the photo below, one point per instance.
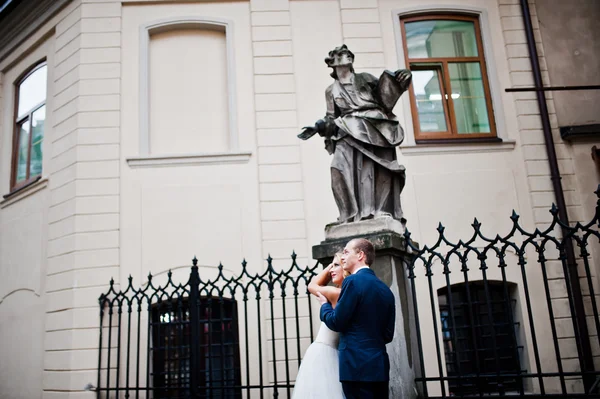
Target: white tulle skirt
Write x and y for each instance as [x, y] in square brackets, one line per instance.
[319, 376]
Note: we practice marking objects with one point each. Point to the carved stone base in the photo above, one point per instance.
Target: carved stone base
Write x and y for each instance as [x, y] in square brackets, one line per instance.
[391, 261]
[383, 224]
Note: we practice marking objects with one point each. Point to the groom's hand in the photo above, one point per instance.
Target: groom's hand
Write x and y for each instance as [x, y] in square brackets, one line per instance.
[322, 298]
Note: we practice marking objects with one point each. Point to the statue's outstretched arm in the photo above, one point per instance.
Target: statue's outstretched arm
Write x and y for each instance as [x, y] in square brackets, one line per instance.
[325, 126]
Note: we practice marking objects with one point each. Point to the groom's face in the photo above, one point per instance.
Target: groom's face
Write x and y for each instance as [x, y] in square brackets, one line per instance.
[350, 258]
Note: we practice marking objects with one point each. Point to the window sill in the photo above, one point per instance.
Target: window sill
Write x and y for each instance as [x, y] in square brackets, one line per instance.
[234, 157]
[457, 148]
[24, 192]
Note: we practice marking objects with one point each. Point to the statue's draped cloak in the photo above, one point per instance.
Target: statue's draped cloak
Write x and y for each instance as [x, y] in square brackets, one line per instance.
[366, 178]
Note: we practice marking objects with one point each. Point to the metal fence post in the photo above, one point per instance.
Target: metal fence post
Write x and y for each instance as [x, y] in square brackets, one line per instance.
[194, 301]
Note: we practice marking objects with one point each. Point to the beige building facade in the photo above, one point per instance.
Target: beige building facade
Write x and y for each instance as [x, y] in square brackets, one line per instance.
[137, 134]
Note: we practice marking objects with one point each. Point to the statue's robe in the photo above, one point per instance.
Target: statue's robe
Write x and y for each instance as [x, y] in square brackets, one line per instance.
[365, 177]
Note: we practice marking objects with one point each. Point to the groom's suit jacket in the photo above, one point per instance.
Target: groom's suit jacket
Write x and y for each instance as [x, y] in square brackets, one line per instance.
[365, 317]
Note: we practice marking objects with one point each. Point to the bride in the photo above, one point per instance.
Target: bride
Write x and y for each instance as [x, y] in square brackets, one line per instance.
[318, 376]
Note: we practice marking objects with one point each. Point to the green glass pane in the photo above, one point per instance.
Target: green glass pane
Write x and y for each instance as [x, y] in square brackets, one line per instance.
[36, 159]
[426, 85]
[39, 117]
[22, 151]
[37, 131]
[468, 95]
[441, 38]
[32, 91]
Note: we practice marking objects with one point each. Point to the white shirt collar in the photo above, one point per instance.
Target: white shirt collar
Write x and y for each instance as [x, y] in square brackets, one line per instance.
[360, 268]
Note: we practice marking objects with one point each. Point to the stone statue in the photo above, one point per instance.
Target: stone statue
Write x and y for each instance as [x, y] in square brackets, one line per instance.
[361, 132]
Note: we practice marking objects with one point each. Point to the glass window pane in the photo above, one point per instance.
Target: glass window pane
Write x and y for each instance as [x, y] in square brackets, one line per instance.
[32, 91]
[36, 159]
[468, 95]
[22, 151]
[426, 85]
[39, 117]
[441, 38]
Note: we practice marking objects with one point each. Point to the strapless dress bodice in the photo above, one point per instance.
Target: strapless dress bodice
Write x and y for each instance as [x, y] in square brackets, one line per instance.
[327, 337]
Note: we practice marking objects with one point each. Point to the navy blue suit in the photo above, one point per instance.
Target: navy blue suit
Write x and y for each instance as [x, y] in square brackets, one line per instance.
[365, 318]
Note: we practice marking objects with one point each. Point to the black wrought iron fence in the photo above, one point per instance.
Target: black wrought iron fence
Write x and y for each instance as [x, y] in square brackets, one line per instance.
[510, 314]
[504, 315]
[226, 337]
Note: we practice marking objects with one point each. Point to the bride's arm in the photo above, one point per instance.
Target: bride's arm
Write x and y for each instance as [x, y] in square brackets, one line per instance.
[319, 284]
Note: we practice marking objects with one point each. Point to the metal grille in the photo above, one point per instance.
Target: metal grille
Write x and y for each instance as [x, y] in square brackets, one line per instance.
[472, 331]
[218, 344]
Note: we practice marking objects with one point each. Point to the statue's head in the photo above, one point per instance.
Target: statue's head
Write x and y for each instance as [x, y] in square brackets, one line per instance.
[339, 56]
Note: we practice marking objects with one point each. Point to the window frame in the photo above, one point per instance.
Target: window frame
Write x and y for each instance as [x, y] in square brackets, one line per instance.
[14, 186]
[451, 135]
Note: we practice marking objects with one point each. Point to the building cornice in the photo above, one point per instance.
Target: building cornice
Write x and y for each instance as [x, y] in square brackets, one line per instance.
[6, 6]
[23, 20]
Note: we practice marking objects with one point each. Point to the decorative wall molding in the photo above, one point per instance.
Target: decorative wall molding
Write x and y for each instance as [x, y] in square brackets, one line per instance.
[25, 192]
[458, 148]
[18, 290]
[164, 25]
[234, 157]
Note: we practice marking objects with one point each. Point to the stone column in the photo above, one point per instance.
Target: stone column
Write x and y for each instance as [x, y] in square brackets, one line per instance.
[392, 259]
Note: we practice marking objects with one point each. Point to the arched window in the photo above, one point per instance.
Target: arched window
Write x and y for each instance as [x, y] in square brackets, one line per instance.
[30, 115]
[218, 355]
[480, 337]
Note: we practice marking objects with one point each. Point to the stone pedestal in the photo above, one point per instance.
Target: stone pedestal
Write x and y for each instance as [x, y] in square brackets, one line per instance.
[390, 266]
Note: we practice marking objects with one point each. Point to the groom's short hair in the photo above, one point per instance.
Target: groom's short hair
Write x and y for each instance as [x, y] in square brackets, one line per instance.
[364, 245]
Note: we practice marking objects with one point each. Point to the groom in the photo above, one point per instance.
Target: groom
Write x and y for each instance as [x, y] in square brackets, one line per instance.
[365, 317]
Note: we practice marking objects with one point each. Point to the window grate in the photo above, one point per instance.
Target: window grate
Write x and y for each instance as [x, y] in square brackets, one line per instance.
[479, 343]
[218, 374]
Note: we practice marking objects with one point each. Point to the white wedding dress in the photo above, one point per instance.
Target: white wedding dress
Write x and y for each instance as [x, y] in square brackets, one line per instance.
[319, 376]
